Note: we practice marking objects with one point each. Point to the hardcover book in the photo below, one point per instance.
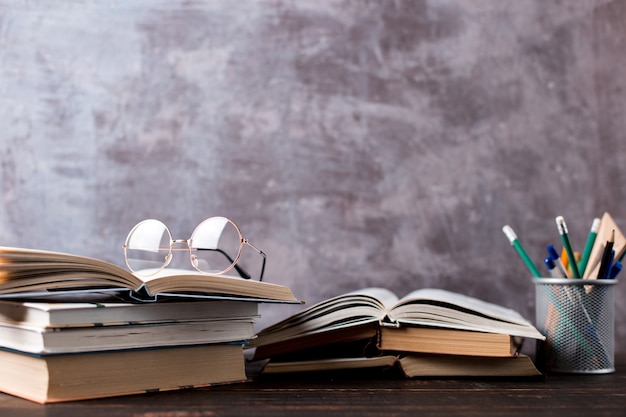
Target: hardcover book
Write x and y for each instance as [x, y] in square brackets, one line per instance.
[79, 376]
[114, 312]
[42, 340]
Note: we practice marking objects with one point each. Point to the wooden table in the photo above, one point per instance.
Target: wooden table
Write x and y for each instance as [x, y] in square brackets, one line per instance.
[563, 395]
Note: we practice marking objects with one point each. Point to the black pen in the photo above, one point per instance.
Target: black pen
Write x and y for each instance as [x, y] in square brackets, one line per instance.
[607, 255]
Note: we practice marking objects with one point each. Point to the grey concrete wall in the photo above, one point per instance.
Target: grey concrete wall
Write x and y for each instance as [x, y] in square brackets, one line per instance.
[356, 142]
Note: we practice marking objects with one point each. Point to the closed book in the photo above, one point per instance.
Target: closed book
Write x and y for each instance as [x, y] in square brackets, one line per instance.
[46, 340]
[79, 376]
[416, 365]
[82, 314]
[329, 364]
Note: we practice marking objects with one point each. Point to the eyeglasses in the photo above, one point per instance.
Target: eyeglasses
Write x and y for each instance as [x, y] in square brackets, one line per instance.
[215, 247]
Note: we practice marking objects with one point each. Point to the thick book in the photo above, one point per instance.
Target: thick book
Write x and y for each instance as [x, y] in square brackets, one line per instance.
[47, 340]
[426, 320]
[28, 272]
[416, 365]
[79, 376]
[85, 314]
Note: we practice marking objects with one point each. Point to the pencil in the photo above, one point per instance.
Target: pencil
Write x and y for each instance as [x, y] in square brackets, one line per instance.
[510, 234]
[593, 233]
[560, 224]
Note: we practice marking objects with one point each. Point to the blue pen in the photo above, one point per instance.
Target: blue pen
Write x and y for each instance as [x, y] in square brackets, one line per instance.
[554, 271]
[615, 269]
[554, 255]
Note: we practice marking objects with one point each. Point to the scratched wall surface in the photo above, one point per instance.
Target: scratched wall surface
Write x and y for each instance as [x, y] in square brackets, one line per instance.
[356, 142]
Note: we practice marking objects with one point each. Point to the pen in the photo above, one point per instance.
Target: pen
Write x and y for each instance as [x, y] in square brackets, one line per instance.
[560, 224]
[622, 256]
[609, 265]
[554, 271]
[605, 263]
[554, 255]
[593, 233]
[510, 234]
[615, 269]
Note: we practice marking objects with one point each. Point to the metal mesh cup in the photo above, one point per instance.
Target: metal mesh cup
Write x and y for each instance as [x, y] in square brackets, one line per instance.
[577, 317]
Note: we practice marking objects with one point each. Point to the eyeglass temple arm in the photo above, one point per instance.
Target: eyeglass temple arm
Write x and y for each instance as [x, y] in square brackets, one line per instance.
[262, 265]
[247, 242]
[240, 270]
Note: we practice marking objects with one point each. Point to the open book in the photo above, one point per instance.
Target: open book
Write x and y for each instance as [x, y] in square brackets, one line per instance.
[29, 272]
[426, 320]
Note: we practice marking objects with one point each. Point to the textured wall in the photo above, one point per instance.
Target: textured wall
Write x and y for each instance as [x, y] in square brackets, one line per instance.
[356, 142]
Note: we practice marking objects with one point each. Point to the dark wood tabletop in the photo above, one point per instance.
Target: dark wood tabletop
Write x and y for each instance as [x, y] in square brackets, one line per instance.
[361, 395]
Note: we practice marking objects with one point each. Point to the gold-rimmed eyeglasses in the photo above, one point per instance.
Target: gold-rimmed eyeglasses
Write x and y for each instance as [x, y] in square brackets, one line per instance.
[215, 247]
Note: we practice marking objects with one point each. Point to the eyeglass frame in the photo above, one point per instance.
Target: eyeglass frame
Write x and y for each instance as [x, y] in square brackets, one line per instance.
[168, 257]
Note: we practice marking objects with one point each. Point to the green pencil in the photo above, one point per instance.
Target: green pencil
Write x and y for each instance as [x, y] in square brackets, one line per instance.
[560, 224]
[510, 234]
[593, 233]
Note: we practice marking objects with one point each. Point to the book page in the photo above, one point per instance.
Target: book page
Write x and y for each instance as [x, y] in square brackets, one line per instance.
[441, 308]
[460, 301]
[27, 269]
[387, 298]
[436, 316]
[171, 281]
[346, 310]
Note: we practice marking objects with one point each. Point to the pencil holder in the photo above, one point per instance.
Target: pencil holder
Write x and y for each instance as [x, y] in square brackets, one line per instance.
[577, 316]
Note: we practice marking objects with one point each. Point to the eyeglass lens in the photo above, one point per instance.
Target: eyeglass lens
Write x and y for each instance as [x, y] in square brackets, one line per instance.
[148, 246]
[214, 246]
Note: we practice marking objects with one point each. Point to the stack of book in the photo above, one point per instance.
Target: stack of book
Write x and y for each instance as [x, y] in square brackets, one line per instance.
[75, 328]
[428, 333]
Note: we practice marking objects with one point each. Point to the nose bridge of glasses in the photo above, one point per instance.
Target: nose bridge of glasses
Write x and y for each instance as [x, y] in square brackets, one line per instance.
[183, 245]
[178, 261]
[174, 242]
